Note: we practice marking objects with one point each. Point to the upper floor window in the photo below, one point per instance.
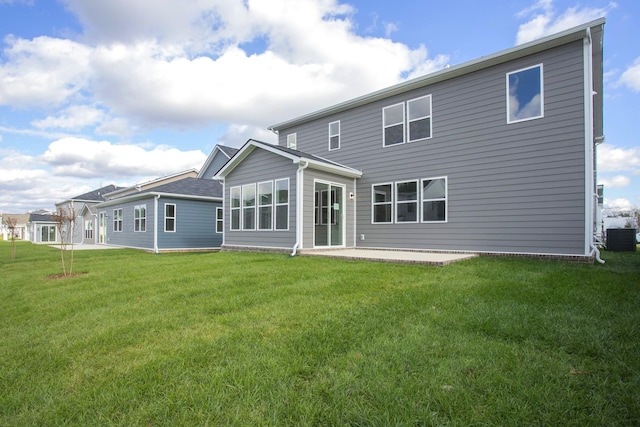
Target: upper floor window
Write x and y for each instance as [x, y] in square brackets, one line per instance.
[393, 123]
[140, 218]
[525, 95]
[334, 135]
[419, 112]
[292, 141]
[117, 219]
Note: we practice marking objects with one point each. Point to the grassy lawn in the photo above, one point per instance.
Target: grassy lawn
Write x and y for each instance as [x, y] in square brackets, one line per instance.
[264, 339]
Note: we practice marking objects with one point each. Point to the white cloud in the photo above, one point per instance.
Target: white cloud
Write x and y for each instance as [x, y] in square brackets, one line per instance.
[631, 77]
[618, 181]
[74, 117]
[543, 19]
[78, 157]
[620, 204]
[237, 135]
[41, 71]
[616, 159]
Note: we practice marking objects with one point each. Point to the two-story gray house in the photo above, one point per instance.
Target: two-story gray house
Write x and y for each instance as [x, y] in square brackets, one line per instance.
[495, 156]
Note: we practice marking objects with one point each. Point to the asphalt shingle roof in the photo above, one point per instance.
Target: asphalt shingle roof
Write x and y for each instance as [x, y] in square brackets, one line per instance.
[190, 187]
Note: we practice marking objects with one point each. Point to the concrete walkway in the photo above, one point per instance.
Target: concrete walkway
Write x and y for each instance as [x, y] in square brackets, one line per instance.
[407, 257]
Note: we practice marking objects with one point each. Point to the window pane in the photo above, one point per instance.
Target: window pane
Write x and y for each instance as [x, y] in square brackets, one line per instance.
[170, 224]
[282, 191]
[419, 108]
[407, 191]
[394, 135]
[433, 211]
[334, 128]
[525, 94]
[249, 219]
[406, 212]
[433, 189]
[248, 195]
[235, 219]
[170, 210]
[264, 214]
[334, 142]
[265, 196]
[382, 213]
[393, 115]
[420, 129]
[282, 217]
[219, 214]
[235, 197]
[382, 193]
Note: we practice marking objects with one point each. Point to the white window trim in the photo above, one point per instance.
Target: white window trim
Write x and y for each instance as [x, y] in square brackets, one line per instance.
[406, 202]
[276, 204]
[120, 220]
[174, 217]
[139, 219]
[334, 135]
[374, 204]
[254, 207]
[292, 141]
[385, 126]
[219, 220]
[446, 200]
[238, 208]
[258, 206]
[409, 121]
[509, 121]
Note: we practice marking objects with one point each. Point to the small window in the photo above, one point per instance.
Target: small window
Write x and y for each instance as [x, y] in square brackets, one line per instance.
[88, 229]
[525, 96]
[169, 217]
[117, 219]
[292, 141]
[382, 198]
[419, 112]
[334, 135]
[235, 207]
[393, 124]
[249, 207]
[219, 220]
[265, 205]
[282, 204]
[140, 218]
[407, 201]
[434, 200]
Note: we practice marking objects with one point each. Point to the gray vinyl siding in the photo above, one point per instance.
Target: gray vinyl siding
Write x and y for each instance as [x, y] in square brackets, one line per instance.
[259, 166]
[218, 161]
[127, 237]
[516, 188]
[195, 225]
[310, 177]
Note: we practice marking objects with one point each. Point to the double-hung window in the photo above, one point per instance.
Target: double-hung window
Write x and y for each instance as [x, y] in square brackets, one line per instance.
[249, 207]
[334, 135]
[170, 217]
[407, 201]
[219, 220]
[88, 229]
[434, 200]
[140, 218]
[265, 205]
[117, 219]
[419, 112]
[234, 202]
[393, 124]
[292, 141]
[382, 197]
[282, 204]
[525, 94]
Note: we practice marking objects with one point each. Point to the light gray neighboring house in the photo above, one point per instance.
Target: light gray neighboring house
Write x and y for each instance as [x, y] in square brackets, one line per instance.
[496, 156]
[219, 156]
[20, 230]
[43, 229]
[86, 221]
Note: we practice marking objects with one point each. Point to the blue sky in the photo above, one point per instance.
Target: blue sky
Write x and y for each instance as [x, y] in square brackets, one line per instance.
[94, 93]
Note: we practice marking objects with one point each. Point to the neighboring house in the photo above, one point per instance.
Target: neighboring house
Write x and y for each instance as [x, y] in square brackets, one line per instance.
[168, 214]
[86, 221]
[218, 157]
[43, 228]
[134, 189]
[20, 230]
[495, 155]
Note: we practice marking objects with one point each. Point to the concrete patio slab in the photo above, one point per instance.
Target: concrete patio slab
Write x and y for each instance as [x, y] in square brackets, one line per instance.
[407, 257]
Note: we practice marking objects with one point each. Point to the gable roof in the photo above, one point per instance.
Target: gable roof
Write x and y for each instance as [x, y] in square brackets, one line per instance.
[21, 219]
[227, 152]
[41, 218]
[296, 157]
[134, 189]
[186, 188]
[564, 37]
[93, 196]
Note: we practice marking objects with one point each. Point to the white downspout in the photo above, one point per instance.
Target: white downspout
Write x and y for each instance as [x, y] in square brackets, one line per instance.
[299, 194]
[155, 224]
[224, 213]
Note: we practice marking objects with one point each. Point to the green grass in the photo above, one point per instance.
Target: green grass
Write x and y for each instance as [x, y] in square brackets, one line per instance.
[264, 339]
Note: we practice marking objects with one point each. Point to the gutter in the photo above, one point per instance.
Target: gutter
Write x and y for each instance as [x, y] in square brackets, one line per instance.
[302, 165]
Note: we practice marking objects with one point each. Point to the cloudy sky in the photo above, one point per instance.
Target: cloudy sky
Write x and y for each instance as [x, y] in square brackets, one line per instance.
[96, 92]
